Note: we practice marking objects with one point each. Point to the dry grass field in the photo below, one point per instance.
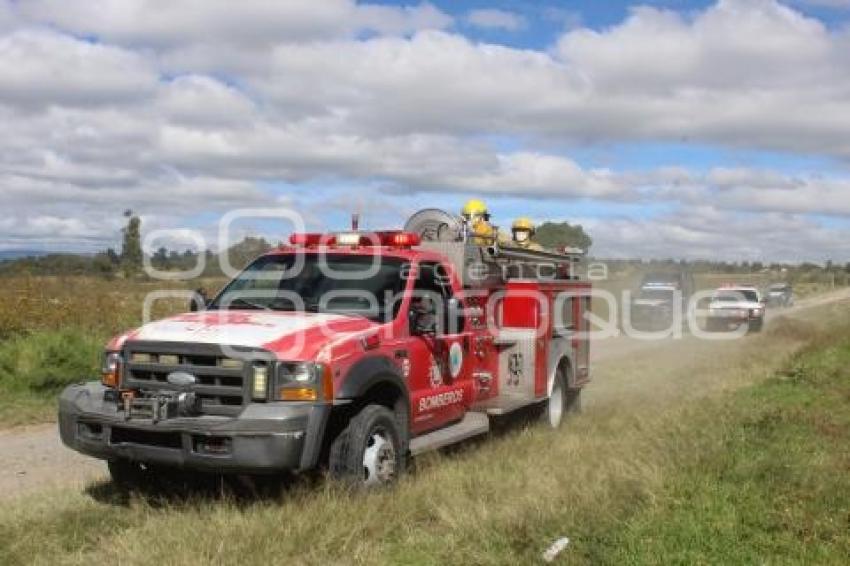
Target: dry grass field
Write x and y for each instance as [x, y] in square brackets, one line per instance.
[52, 332]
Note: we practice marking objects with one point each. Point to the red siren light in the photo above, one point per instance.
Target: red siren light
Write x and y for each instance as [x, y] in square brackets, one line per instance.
[399, 239]
[314, 239]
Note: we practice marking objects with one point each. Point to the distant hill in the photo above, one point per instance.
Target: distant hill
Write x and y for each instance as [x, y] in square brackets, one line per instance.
[17, 254]
[33, 262]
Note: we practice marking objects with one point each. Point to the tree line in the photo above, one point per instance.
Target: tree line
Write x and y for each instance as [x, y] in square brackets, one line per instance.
[129, 262]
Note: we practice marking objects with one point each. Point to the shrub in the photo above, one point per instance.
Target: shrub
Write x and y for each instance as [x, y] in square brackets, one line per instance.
[44, 362]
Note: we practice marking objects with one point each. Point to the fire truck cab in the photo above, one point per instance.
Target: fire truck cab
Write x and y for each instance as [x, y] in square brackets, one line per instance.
[348, 352]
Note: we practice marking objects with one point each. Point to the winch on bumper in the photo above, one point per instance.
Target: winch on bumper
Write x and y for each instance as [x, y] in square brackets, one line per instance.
[263, 438]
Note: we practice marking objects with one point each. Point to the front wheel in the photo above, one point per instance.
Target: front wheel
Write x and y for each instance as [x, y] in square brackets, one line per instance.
[124, 474]
[368, 453]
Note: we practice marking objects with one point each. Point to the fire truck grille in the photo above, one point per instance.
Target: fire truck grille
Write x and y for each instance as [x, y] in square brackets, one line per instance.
[221, 382]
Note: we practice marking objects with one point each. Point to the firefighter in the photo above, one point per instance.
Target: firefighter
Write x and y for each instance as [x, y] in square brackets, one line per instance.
[477, 218]
[523, 231]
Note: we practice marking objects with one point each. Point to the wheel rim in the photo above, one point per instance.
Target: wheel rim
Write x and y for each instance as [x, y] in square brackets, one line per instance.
[556, 405]
[379, 458]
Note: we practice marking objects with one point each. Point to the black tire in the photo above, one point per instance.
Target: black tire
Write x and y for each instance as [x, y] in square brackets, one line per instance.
[374, 429]
[126, 475]
[755, 325]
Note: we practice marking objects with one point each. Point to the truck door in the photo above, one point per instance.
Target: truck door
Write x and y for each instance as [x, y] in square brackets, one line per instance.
[441, 362]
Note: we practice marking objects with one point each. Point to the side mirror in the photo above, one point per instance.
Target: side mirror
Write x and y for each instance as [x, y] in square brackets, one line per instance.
[199, 300]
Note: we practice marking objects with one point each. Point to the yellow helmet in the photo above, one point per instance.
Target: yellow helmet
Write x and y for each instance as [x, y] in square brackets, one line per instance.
[475, 207]
[523, 224]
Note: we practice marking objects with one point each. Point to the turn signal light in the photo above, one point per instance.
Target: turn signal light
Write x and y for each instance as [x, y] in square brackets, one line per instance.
[110, 379]
[298, 394]
[110, 374]
[327, 384]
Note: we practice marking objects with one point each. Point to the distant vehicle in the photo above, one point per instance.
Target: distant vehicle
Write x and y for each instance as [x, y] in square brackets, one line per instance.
[660, 295]
[780, 295]
[733, 306]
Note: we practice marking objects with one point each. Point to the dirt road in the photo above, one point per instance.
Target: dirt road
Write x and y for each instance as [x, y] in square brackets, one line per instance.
[33, 458]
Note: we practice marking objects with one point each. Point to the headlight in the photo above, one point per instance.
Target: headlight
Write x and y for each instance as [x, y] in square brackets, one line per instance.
[297, 373]
[110, 373]
[303, 382]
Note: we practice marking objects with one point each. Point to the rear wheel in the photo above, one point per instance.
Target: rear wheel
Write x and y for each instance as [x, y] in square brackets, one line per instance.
[555, 406]
[367, 453]
[561, 402]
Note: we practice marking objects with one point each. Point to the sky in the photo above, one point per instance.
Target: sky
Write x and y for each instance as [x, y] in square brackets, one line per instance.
[668, 129]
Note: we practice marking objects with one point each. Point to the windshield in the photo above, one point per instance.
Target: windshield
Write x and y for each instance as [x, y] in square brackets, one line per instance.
[656, 294]
[660, 278]
[361, 285]
[736, 296]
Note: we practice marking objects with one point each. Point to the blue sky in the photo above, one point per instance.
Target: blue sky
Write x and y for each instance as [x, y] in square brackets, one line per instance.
[667, 128]
[546, 20]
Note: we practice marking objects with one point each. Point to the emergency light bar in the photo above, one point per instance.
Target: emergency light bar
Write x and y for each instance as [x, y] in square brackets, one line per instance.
[399, 239]
[389, 238]
[351, 239]
[311, 239]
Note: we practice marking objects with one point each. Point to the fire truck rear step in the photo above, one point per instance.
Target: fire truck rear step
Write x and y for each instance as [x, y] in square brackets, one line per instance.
[472, 424]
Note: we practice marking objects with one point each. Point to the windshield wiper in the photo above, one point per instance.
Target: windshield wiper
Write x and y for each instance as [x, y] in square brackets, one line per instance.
[287, 304]
[249, 304]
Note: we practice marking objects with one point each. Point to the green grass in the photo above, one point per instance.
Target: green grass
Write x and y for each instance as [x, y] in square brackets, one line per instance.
[35, 367]
[752, 475]
[52, 331]
[773, 485]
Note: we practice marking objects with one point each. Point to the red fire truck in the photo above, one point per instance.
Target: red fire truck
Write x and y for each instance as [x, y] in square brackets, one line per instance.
[348, 352]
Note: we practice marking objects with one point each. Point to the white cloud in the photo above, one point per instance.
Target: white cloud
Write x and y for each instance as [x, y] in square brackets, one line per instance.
[435, 82]
[42, 68]
[738, 73]
[534, 174]
[201, 101]
[390, 20]
[7, 17]
[707, 232]
[491, 18]
[193, 107]
[168, 24]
